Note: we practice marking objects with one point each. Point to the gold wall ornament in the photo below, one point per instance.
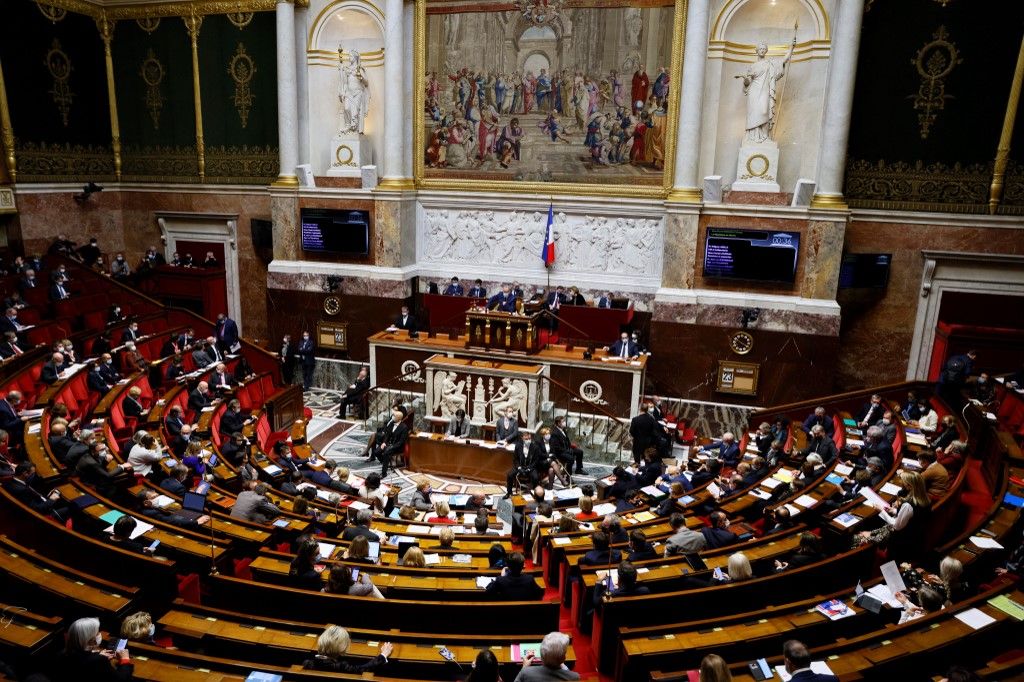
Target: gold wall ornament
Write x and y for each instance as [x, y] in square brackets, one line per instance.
[52, 12]
[7, 131]
[59, 66]
[918, 187]
[152, 72]
[193, 23]
[242, 165]
[45, 162]
[241, 69]
[1006, 136]
[934, 62]
[172, 8]
[148, 24]
[240, 19]
[161, 164]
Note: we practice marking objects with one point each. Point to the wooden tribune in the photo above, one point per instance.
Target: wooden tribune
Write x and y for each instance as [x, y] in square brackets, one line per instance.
[499, 331]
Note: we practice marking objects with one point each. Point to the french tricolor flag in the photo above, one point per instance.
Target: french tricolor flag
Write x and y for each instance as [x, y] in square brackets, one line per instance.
[547, 252]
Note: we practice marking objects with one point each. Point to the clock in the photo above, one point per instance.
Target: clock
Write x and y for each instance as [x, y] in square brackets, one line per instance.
[332, 306]
[741, 343]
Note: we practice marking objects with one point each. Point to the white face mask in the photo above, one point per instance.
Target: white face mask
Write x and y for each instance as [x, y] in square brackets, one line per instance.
[99, 639]
[152, 629]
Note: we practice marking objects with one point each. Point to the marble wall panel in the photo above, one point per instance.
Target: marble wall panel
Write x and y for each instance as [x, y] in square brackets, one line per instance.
[387, 233]
[284, 209]
[680, 250]
[823, 251]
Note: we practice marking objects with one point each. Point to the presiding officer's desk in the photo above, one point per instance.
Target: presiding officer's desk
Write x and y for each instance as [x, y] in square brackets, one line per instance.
[477, 460]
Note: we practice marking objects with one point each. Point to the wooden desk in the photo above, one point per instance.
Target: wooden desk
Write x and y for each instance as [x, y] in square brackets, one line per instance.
[620, 381]
[432, 454]
[500, 331]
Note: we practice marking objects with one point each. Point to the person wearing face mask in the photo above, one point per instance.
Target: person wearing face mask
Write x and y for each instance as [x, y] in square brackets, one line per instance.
[871, 413]
[11, 421]
[983, 389]
[307, 360]
[94, 380]
[107, 370]
[84, 657]
[391, 439]
[92, 469]
[507, 427]
[623, 348]
[20, 486]
[131, 333]
[887, 426]
[928, 421]
[119, 269]
[421, 497]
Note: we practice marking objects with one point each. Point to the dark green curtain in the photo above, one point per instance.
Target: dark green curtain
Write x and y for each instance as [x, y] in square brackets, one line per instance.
[58, 103]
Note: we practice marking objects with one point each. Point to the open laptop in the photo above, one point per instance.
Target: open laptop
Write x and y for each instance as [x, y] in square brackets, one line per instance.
[193, 505]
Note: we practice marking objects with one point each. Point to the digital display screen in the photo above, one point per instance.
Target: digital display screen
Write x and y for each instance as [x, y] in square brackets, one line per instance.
[865, 271]
[752, 255]
[345, 232]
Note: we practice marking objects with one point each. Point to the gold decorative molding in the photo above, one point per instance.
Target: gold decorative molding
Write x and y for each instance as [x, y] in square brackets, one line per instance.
[57, 162]
[7, 204]
[829, 202]
[396, 184]
[918, 186]
[193, 23]
[180, 8]
[1003, 150]
[106, 29]
[152, 72]
[934, 62]
[240, 19]
[286, 181]
[241, 69]
[685, 195]
[160, 164]
[59, 65]
[6, 131]
[242, 165]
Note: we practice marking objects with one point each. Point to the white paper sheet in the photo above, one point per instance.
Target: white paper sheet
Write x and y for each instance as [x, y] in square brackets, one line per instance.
[892, 577]
[806, 501]
[984, 542]
[891, 489]
[976, 618]
[819, 667]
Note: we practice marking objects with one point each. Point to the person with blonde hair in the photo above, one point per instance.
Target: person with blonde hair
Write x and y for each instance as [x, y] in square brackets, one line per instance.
[906, 519]
[330, 650]
[713, 668]
[84, 658]
[442, 513]
[358, 550]
[138, 627]
[586, 509]
[446, 539]
[739, 568]
[414, 558]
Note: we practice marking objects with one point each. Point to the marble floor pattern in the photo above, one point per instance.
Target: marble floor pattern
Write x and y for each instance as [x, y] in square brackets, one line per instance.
[343, 441]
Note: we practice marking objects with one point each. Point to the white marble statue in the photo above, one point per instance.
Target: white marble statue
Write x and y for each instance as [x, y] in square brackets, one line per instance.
[512, 393]
[353, 91]
[760, 85]
[448, 395]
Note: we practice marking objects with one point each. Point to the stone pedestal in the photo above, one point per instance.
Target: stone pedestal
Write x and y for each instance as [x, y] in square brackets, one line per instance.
[757, 168]
[349, 153]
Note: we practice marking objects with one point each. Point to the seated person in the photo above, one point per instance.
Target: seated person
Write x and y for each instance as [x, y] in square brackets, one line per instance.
[718, 534]
[935, 475]
[175, 484]
[232, 421]
[405, 320]
[453, 288]
[340, 581]
[303, 573]
[132, 404]
[175, 369]
[952, 456]
[442, 513]
[353, 395]
[627, 585]
[601, 554]
[726, 450]
[928, 421]
[122, 536]
[708, 471]
[144, 455]
[374, 492]
[20, 487]
[553, 649]
[503, 301]
[59, 441]
[184, 519]
[253, 505]
[639, 548]
[819, 418]
[821, 444]
[983, 389]
[808, 552]
[624, 482]
[174, 421]
[199, 398]
[364, 517]
[946, 434]
[671, 503]
[507, 426]
[421, 497]
[458, 425]
[624, 348]
[414, 558]
[222, 381]
[871, 413]
[331, 647]
[477, 290]
[586, 512]
[763, 438]
[574, 297]
[106, 369]
[512, 585]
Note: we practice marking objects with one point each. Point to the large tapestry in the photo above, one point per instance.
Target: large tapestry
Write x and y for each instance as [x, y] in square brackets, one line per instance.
[547, 91]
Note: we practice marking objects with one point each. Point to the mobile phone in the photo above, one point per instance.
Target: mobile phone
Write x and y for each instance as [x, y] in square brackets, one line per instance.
[153, 546]
[121, 645]
[718, 574]
[446, 653]
[760, 670]
[355, 574]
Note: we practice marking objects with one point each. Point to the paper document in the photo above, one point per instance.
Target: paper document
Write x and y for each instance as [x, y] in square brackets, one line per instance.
[843, 469]
[326, 550]
[891, 489]
[819, 667]
[872, 498]
[432, 559]
[419, 530]
[884, 594]
[140, 528]
[984, 542]
[604, 508]
[483, 581]
[561, 541]
[976, 618]
[892, 577]
[806, 501]
[771, 483]
[161, 501]
[847, 520]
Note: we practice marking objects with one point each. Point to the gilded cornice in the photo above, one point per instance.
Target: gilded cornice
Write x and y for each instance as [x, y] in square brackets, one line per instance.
[176, 8]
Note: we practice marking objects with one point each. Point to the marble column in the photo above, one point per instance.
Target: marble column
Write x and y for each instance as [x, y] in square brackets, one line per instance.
[685, 183]
[287, 109]
[394, 72]
[835, 129]
[302, 84]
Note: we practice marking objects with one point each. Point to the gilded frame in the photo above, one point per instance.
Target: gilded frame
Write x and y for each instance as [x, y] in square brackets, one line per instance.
[543, 188]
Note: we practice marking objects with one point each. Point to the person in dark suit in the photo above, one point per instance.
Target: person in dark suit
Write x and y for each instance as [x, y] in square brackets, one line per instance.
[643, 429]
[9, 322]
[222, 380]
[307, 360]
[390, 439]
[331, 647]
[50, 372]
[605, 301]
[601, 554]
[199, 398]
[727, 450]
[132, 405]
[226, 333]
[27, 282]
[353, 395]
[552, 302]
[718, 534]
[286, 356]
[84, 658]
[175, 483]
[512, 585]
[627, 585]
[624, 482]
[529, 460]
[624, 348]
[20, 488]
[107, 370]
[707, 472]
[453, 289]
[9, 346]
[174, 421]
[58, 292]
[819, 418]
[131, 333]
[187, 339]
[820, 444]
[477, 290]
[92, 469]
[170, 346]
[175, 369]
[562, 447]
[503, 301]
[639, 548]
[59, 441]
[405, 320]
[798, 664]
[507, 427]
[871, 413]
[232, 421]
[458, 425]
[94, 380]
[574, 297]
[364, 518]
[201, 356]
